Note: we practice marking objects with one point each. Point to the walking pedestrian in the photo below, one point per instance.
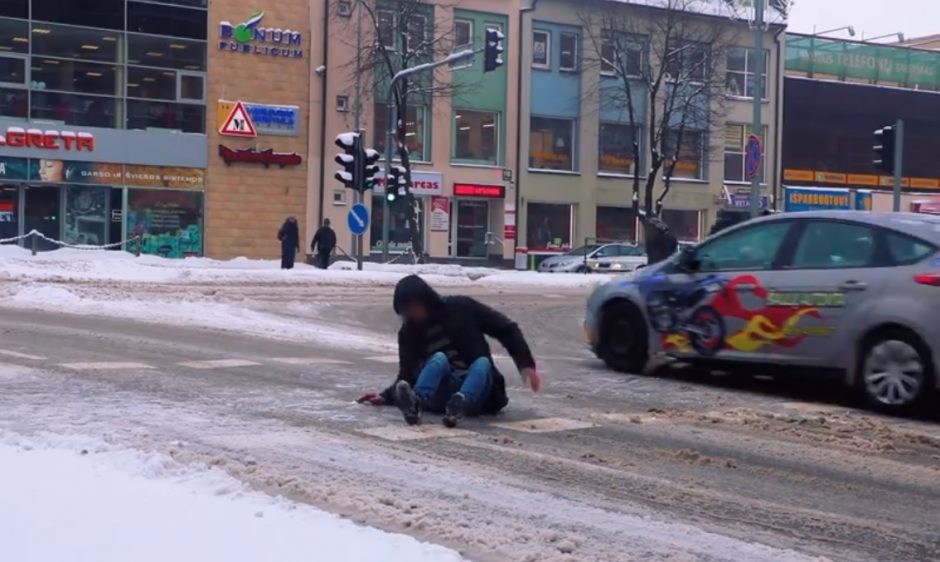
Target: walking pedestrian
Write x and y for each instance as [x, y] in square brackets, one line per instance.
[289, 235]
[323, 243]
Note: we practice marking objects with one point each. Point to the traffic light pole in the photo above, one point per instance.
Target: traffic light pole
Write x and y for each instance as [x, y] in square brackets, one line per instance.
[757, 127]
[898, 163]
[390, 134]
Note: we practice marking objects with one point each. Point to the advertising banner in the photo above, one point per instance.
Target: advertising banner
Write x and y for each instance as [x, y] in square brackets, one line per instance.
[169, 222]
[164, 176]
[267, 119]
[14, 168]
[101, 173]
[822, 199]
[440, 214]
[864, 61]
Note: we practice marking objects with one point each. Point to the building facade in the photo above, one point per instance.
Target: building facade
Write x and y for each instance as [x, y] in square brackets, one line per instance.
[199, 127]
[828, 143]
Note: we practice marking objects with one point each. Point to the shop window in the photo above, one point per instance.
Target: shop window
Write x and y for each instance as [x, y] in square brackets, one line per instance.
[735, 143]
[541, 48]
[173, 21]
[616, 224]
[73, 109]
[75, 76]
[742, 72]
[549, 227]
[68, 42]
[14, 9]
[684, 225]
[86, 214]
[615, 153]
[476, 136]
[399, 238]
[169, 223]
[691, 153]
[463, 34]
[165, 52]
[568, 58]
[551, 144]
[9, 213]
[14, 102]
[415, 132]
[14, 36]
[188, 118]
[108, 14]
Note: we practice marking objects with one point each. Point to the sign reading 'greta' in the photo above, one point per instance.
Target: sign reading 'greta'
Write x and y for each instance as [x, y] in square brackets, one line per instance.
[17, 137]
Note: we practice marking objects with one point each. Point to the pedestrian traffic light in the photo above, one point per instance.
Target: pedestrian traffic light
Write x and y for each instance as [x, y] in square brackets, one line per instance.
[348, 159]
[396, 184]
[884, 150]
[493, 50]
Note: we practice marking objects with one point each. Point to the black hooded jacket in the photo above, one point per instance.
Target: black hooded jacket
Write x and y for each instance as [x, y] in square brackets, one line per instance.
[466, 322]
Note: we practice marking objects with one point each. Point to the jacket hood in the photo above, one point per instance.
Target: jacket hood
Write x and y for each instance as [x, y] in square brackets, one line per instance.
[414, 288]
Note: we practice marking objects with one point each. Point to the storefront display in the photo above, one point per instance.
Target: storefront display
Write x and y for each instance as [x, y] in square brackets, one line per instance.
[683, 224]
[86, 215]
[399, 236]
[169, 223]
[549, 227]
[616, 224]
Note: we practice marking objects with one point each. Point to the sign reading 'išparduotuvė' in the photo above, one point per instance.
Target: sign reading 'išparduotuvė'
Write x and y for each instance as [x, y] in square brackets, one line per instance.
[251, 38]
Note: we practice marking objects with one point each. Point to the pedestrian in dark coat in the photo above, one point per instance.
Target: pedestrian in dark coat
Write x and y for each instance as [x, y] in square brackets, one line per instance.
[289, 235]
[444, 361]
[323, 243]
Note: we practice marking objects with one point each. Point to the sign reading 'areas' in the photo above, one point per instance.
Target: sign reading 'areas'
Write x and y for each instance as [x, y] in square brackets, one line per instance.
[249, 37]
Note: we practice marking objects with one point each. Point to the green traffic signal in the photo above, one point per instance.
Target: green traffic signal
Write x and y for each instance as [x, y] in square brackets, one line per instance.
[390, 196]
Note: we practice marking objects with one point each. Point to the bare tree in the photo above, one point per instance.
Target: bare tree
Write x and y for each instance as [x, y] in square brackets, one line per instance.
[662, 64]
[398, 35]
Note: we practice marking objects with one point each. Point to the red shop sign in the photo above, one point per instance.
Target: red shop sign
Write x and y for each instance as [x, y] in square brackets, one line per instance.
[18, 137]
[265, 157]
[471, 190]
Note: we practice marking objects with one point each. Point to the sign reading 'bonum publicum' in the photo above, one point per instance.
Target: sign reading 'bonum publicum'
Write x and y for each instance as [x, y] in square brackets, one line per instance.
[252, 38]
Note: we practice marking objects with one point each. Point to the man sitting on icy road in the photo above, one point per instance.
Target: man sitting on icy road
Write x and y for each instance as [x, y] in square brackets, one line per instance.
[445, 364]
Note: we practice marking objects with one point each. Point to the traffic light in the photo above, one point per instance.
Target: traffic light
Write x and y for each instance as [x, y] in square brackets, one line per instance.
[493, 50]
[884, 150]
[351, 143]
[369, 168]
[396, 184]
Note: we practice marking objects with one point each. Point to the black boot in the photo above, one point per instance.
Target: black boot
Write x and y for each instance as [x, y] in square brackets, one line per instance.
[408, 402]
[455, 410]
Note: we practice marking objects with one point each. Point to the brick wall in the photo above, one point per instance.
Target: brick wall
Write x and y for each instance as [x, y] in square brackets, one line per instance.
[245, 202]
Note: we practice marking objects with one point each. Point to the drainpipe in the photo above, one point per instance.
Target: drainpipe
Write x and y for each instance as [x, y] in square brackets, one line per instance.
[519, 131]
[778, 172]
[323, 105]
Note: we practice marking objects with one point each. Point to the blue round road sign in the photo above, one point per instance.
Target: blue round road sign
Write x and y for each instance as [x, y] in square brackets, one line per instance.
[358, 219]
[752, 157]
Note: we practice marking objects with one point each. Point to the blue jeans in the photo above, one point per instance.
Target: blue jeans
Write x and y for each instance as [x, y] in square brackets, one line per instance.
[438, 381]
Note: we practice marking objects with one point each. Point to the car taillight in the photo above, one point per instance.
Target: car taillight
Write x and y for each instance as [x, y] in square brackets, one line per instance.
[928, 279]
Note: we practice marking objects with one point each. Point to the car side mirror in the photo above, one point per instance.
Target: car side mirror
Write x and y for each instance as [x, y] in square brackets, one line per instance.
[687, 259]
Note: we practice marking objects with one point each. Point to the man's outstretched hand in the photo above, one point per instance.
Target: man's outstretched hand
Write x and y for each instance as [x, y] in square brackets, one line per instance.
[532, 378]
[372, 399]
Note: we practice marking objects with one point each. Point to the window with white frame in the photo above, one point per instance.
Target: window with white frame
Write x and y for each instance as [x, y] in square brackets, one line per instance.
[615, 148]
[742, 72]
[551, 143]
[568, 57]
[690, 157]
[541, 48]
[629, 62]
[476, 136]
[463, 34]
[735, 147]
[687, 63]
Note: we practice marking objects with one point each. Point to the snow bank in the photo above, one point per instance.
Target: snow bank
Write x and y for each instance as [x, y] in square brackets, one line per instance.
[66, 265]
[191, 311]
[81, 501]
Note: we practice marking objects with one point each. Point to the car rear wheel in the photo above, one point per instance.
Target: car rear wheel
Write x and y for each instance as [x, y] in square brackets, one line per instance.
[895, 372]
[623, 343]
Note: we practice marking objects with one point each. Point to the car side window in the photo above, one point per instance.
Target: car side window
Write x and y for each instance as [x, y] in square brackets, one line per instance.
[834, 245]
[907, 250]
[604, 252]
[750, 248]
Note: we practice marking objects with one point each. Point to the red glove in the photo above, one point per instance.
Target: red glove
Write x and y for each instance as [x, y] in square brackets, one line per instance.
[531, 377]
[372, 399]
